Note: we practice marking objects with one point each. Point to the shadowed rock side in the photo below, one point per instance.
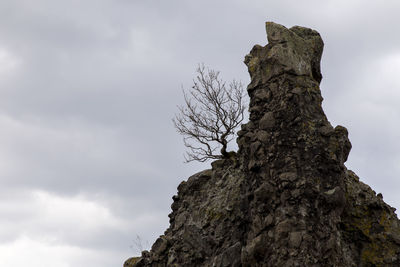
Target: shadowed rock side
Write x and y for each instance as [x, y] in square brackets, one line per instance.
[286, 198]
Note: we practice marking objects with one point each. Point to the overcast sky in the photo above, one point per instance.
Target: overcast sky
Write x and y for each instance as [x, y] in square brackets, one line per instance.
[89, 157]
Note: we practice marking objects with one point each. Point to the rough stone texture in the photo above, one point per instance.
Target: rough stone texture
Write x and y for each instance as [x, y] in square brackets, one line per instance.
[286, 198]
[131, 261]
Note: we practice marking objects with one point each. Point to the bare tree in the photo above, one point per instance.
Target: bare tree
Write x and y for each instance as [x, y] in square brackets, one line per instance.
[139, 244]
[210, 116]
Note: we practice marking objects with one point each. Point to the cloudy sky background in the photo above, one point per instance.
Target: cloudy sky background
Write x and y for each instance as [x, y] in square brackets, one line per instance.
[89, 157]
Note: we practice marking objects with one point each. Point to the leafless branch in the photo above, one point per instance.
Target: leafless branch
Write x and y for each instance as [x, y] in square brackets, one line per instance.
[210, 115]
[139, 245]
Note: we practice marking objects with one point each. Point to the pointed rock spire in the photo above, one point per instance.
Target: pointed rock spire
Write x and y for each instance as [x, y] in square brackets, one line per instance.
[286, 199]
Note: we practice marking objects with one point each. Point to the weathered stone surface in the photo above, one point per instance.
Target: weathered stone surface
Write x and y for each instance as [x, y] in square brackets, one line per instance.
[267, 121]
[132, 262]
[286, 198]
[295, 239]
[295, 51]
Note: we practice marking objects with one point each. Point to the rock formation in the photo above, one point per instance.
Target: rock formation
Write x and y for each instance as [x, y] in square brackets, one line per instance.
[286, 197]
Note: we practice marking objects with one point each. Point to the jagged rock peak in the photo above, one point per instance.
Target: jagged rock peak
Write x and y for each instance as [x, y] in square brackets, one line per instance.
[286, 198]
[296, 51]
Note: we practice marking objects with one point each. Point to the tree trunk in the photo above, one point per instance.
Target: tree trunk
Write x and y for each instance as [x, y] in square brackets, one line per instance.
[224, 153]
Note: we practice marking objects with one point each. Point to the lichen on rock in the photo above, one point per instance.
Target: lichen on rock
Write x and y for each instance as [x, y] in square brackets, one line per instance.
[286, 198]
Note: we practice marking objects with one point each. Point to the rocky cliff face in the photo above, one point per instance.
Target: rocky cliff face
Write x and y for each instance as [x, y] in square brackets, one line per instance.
[286, 198]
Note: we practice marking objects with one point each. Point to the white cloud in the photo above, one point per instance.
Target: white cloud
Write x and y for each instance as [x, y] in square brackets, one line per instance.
[388, 82]
[48, 216]
[73, 213]
[8, 63]
[47, 230]
[26, 251]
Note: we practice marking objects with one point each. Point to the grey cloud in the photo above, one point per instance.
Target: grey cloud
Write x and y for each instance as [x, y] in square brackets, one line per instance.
[88, 109]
